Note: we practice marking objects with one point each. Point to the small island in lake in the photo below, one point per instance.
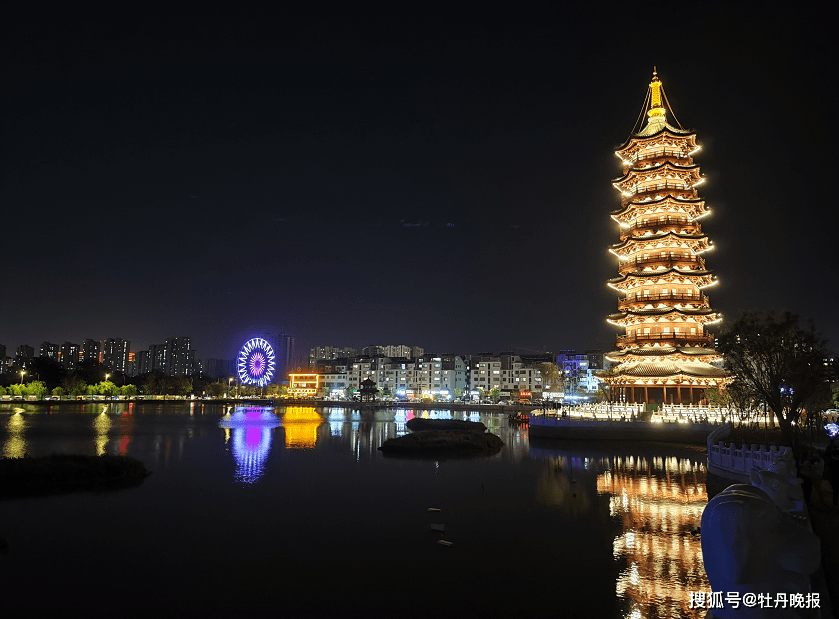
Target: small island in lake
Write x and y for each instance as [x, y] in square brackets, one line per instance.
[433, 436]
[59, 473]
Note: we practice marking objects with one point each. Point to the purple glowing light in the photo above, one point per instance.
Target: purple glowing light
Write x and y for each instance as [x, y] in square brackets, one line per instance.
[256, 362]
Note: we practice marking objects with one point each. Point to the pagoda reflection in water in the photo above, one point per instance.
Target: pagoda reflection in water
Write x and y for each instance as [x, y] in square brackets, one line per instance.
[251, 428]
[659, 501]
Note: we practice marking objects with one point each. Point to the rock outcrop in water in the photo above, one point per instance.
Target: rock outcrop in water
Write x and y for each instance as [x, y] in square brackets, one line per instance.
[435, 436]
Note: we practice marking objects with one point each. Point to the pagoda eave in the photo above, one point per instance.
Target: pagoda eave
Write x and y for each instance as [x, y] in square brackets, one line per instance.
[647, 171]
[679, 134]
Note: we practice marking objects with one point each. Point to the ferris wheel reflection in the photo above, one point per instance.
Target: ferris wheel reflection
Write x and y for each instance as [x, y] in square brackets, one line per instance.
[251, 428]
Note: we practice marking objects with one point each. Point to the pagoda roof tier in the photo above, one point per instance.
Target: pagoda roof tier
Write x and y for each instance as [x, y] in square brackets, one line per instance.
[637, 180]
[665, 276]
[694, 242]
[666, 369]
[692, 207]
[645, 353]
[702, 314]
[665, 135]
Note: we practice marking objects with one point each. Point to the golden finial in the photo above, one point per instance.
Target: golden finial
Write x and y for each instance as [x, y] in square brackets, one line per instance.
[656, 109]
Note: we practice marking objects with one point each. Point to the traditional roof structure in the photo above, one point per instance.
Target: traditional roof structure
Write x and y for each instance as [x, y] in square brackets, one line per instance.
[665, 355]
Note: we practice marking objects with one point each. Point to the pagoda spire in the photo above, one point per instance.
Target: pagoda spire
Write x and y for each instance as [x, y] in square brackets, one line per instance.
[657, 114]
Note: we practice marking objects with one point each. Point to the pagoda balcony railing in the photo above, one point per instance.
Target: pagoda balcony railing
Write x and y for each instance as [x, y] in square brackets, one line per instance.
[646, 188]
[675, 339]
[662, 152]
[629, 301]
[668, 260]
[661, 221]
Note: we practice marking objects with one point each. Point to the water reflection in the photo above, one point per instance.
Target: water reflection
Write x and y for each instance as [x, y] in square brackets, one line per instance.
[301, 427]
[15, 445]
[251, 428]
[659, 502]
[558, 487]
[623, 520]
[101, 426]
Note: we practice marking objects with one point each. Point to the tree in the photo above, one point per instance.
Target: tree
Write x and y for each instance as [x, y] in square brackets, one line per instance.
[58, 392]
[553, 378]
[74, 385]
[777, 362]
[107, 388]
[736, 398]
[494, 394]
[216, 390]
[36, 388]
[129, 391]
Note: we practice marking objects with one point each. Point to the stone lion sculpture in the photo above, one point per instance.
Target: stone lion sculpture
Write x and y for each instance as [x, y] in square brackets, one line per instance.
[751, 545]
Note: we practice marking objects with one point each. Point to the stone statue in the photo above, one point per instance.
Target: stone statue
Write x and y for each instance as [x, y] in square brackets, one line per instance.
[750, 546]
[784, 492]
[784, 465]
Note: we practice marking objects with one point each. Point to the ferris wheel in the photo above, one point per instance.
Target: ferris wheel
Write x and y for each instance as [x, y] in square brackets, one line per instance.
[256, 362]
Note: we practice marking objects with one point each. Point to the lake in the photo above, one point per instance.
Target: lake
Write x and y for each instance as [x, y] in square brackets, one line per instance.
[293, 511]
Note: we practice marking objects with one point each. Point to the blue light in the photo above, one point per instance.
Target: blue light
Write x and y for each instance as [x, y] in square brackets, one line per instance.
[256, 362]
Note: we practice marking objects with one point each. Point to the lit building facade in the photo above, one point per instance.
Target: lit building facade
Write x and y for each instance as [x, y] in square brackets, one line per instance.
[505, 372]
[666, 353]
[69, 356]
[50, 351]
[443, 376]
[329, 353]
[90, 352]
[303, 385]
[115, 354]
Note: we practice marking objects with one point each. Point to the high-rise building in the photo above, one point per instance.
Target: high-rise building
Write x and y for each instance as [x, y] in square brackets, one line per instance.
[90, 351]
[330, 353]
[156, 359]
[666, 352]
[23, 354]
[115, 354]
[219, 368]
[284, 353]
[50, 351]
[393, 350]
[179, 358]
[2, 358]
[69, 356]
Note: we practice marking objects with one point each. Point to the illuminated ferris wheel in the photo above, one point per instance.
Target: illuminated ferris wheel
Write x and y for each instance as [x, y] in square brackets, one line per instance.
[256, 362]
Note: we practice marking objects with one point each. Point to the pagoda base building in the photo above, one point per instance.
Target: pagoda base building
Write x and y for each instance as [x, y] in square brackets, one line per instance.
[666, 355]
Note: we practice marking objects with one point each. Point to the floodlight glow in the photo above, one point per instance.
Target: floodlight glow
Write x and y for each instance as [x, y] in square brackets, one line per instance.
[832, 429]
[256, 362]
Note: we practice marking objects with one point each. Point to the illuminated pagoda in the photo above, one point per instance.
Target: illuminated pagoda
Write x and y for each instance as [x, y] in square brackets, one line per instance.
[666, 354]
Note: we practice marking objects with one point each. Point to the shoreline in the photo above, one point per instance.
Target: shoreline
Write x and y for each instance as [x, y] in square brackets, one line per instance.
[459, 406]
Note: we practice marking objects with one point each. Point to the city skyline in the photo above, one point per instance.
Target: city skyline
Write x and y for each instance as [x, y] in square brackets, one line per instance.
[359, 176]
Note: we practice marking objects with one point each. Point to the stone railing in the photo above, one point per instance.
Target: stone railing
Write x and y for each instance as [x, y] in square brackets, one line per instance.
[696, 413]
[741, 460]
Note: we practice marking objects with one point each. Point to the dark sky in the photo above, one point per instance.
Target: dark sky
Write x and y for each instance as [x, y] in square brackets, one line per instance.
[438, 177]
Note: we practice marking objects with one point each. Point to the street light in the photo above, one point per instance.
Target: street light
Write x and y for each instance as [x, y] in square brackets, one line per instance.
[22, 372]
[229, 382]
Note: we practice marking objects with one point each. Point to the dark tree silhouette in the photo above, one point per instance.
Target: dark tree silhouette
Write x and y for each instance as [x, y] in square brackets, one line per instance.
[776, 361]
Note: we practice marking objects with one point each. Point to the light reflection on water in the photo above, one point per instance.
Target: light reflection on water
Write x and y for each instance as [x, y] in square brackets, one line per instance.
[659, 502]
[654, 498]
[251, 428]
[15, 444]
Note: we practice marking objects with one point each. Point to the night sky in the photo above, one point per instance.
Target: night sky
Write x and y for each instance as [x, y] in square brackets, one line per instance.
[420, 175]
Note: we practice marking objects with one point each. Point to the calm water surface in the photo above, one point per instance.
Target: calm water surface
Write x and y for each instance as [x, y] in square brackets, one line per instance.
[293, 511]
